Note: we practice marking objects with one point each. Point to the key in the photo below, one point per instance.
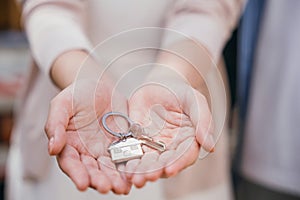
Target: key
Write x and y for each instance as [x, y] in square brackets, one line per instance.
[157, 145]
[129, 145]
[137, 130]
[139, 133]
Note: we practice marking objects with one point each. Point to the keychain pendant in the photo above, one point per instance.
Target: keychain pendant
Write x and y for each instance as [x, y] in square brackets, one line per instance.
[126, 149]
[129, 145]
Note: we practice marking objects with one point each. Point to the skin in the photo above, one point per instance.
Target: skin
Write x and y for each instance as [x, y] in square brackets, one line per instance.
[72, 127]
[79, 142]
[177, 108]
[173, 107]
[174, 122]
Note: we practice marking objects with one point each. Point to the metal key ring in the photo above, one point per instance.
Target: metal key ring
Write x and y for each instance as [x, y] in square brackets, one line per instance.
[119, 135]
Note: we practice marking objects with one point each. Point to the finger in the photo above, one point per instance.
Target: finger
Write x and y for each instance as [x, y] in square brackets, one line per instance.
[60, 112]
[149, 169]
[185, 155]
[198, 110]
[99, 180]
[119, 186]
[121, 168]
[70, 163]
[138, 108]
[130, 168]
[183, 134]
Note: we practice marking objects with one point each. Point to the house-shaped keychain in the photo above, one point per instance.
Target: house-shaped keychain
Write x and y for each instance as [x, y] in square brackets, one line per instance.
[124, 150]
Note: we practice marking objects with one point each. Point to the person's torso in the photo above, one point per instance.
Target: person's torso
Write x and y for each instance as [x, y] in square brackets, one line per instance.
[127, 35]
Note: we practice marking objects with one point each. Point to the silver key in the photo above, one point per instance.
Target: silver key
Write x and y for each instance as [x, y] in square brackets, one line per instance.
[139, 133]
[157, 145]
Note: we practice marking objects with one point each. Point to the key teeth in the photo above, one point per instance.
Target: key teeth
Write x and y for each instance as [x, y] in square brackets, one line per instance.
[163, 144]
[156, 145]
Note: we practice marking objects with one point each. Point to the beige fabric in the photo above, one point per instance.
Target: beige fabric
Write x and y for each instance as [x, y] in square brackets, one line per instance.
[203, 177]
[222, 191]
[83, 24]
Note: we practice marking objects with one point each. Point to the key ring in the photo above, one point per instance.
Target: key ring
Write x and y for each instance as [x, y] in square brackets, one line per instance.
[119, 135]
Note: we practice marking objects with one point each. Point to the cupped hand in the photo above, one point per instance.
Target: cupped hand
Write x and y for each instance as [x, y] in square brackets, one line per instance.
[178, 115]
[77, 139]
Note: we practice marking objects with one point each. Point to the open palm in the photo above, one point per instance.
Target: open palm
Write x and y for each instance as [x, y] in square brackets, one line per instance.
[79, 141]
[179, 116]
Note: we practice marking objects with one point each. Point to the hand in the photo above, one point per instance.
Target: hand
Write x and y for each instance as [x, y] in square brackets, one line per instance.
[77, 139]
[176, 114]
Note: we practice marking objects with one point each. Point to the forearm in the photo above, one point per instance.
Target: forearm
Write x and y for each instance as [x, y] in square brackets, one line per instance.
[209, 22]
[188, 61]
[201, 29]
[72, 65]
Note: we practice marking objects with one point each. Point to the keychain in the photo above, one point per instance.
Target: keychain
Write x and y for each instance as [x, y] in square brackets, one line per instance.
[129, 145]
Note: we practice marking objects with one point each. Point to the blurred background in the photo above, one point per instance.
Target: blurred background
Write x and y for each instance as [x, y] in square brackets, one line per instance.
[14, 61]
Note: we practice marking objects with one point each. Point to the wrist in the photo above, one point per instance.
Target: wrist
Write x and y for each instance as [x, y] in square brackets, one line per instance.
[74, 65]
[188, 59]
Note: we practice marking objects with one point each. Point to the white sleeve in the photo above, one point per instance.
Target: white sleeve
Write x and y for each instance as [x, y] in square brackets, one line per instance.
[54, 27]
[210, 22]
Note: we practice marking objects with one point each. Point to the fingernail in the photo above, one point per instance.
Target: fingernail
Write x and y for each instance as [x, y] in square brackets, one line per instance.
[211, 143]
[51, 143]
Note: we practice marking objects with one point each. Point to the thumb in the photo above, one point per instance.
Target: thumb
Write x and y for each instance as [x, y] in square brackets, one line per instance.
[200, 115]
[60, 112]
